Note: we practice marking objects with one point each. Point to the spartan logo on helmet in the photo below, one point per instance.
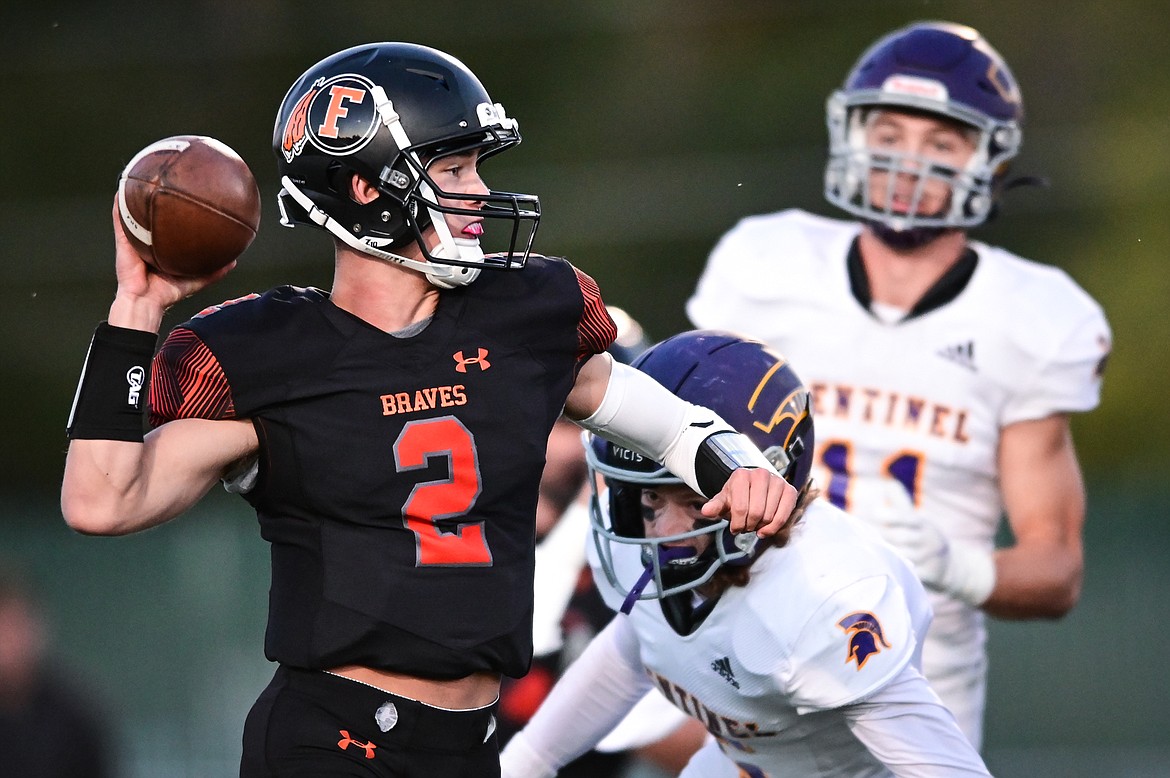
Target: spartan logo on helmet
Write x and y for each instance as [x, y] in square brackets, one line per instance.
[338, 116]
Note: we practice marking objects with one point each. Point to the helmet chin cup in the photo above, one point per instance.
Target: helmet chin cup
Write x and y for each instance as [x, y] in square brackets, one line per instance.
[462, 249]
[452, 276]
[662, 556]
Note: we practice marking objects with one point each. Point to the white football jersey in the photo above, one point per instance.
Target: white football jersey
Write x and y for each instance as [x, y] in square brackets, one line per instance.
[825, 621]
[921, 400]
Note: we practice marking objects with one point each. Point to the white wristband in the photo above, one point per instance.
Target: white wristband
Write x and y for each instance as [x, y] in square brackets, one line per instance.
[970, 576]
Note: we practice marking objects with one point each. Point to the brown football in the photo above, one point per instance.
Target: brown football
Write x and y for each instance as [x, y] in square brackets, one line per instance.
[189, 204]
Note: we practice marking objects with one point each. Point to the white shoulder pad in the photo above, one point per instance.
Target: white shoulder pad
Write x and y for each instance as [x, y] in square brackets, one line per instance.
[763, 261]
[1059, 337]
[844, 624]
[858, 640]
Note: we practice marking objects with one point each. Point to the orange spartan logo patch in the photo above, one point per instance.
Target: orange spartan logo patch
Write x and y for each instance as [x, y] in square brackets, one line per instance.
[346, 741]
[462, 362]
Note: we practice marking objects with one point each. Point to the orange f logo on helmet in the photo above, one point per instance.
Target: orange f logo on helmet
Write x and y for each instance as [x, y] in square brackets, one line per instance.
[294, 130]
[338, 96]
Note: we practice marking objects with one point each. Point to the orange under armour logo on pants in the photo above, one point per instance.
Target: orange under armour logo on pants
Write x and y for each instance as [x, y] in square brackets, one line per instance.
[346, 740]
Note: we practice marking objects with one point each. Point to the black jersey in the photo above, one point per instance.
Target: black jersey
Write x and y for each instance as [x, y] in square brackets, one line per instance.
[398, 475]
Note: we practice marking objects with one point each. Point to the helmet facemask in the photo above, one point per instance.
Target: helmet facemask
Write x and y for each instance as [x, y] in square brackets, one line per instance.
[410, 184]
[853, 164]
[670, 565]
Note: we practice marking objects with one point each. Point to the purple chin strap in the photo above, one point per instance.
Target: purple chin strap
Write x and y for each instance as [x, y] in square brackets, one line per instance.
[666, 555]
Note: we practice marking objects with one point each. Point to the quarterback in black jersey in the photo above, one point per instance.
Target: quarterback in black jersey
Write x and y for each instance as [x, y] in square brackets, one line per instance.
[390, 432]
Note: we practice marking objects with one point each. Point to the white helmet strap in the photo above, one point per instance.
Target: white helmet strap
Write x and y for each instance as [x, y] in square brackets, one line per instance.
[449, 247]
[442, 276]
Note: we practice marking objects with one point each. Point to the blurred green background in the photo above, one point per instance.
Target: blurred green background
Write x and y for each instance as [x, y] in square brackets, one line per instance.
[649, 128]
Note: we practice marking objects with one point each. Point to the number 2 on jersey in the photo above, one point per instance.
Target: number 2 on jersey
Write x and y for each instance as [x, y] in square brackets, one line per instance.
[456, 543]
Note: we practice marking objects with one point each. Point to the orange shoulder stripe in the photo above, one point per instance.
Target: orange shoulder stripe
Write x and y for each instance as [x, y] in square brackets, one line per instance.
[187, 382]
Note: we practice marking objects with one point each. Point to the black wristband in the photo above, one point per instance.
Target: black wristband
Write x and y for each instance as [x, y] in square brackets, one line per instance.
[114, 381]
[720, 455]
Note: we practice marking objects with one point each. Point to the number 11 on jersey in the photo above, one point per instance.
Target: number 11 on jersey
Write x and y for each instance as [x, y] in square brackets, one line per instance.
[905, 467]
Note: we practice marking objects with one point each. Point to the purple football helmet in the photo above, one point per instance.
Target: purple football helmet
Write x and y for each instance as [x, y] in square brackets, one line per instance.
[755, 391]
[938, 68]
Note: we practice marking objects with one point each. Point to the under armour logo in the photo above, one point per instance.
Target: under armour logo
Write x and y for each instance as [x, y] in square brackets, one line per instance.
[865, 634]
[462, 362]
[346, 740]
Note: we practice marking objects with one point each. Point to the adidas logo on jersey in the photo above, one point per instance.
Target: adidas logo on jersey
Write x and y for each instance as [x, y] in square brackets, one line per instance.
[962, 354]
[723, 667]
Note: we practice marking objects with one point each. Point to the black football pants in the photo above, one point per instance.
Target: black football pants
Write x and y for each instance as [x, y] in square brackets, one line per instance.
[308, 723]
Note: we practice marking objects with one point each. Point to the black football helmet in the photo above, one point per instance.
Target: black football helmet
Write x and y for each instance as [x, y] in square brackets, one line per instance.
[934, 67]
[754, 390]
[386, 111]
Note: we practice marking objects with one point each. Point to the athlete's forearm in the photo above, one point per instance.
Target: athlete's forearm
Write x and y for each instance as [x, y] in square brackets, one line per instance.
[1036, 581]
[115, 487]
[908, 729]
[1044, 498]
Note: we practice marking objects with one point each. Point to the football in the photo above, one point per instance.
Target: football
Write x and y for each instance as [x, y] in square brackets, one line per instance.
[189, 204]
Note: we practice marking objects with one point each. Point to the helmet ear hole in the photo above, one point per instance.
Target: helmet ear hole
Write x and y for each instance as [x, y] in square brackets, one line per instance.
[338, 177]
[625, 509]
